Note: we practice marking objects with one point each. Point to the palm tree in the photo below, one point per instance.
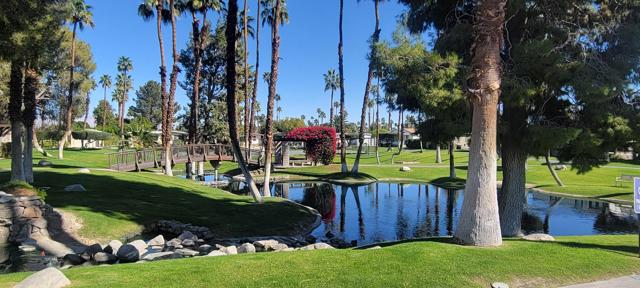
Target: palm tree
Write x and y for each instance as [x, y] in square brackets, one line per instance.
[275, 16]
[376, 93]
[278, 106]
[232, 19]
[367, 88]
[87, 102]
[479, 223]
[245, 43]
[80, 15]
[124, 66]
[146, 11]
[173, 78]
[105, 83]
[370, 105]
[343, 138]
[331, 82]
[254, 96]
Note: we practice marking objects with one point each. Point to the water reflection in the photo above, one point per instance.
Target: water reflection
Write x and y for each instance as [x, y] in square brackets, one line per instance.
[391, 211]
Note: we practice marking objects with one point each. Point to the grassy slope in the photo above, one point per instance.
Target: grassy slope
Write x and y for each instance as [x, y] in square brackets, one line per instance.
[118, 203]
[435, 263]
[599, 183]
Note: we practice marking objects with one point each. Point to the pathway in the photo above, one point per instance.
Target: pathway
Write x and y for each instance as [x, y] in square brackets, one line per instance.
[632, 281]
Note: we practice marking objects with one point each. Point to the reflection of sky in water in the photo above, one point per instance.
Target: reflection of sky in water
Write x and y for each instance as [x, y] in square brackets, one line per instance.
[390, 211]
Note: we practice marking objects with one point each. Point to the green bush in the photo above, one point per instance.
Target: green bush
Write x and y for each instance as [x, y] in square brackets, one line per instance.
[413, 144]
[90, 135]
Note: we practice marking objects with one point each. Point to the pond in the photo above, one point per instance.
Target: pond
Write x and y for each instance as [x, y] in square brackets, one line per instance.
[391, 211]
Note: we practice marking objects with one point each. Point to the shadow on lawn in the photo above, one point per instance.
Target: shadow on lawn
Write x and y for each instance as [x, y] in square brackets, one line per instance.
[145, 199]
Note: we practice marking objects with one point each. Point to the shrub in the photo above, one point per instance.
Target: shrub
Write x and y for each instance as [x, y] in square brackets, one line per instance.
[320, 142]
[413, 143]
[90, 135]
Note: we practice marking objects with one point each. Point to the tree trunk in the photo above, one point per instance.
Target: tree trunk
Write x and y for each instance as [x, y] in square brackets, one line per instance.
[246, 79]
[232, 20]
[86, 111]
[69, 108]
[438, 154]
[15, 116]
[331, 124]
[29, 118]
[104, 112]
[512, 196]
[452, 164]
[343, 137]
[547, 158]
[378, 125]
[163, 90]
[275, 59]
[254, 97]
[17, 163]
[172, 89]
[367, 88]
[36, 145]
[479, 223]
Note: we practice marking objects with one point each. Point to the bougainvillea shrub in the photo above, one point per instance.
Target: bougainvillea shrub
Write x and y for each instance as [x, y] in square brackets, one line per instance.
[320, 142]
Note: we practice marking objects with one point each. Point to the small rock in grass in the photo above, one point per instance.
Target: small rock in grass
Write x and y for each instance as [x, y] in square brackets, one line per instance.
[263, 245]
[44, 163]
[157, 241]
[539, 237]
[374, 248]
[321, 246]
[246, 248]
[104, 258]
[277, 247]
[84, 171]
[216, 253]
[75, 188]
[47, 278]
[308, 247]
[499, 285]
[405, 169]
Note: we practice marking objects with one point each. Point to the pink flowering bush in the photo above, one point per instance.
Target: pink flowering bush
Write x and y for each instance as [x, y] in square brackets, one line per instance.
[320, 142]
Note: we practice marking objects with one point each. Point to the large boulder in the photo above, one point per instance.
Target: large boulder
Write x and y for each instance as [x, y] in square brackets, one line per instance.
[140, 245]
[539, 237]
[187, 252]
[188, 243]
[75, 188]
[161, 256]
[157, 241]
[113, 247]
[128, 254]
[205, 249]
[72, 260]
[47, 278]
[321, 246]
[230, 250]
[104, 258]
[264, 245]
[278, 247]
[246, 248]
[216, 253]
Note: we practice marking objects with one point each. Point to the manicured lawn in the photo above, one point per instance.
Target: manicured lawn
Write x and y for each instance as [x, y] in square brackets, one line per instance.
[433, 263]
[118, 203]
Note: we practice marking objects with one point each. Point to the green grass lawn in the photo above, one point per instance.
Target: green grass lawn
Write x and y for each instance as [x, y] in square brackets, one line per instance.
[427, 263]
[117, 204]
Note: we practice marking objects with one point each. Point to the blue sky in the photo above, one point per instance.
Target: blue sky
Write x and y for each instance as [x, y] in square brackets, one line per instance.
[308, 49]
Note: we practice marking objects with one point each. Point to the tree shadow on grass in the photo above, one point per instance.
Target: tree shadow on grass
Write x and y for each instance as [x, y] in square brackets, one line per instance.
[144, 198]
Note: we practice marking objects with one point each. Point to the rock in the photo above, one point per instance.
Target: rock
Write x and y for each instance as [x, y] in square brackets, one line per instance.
[188, 243]
[263, 245]
[47, 278]
[308, 247]
[44, 163]
[161, 256]
[499, 285]
[405, 169]
[230, 250]
[104, 258]
[286, 250]
[246, 248]
[216, 253]
[93, 249]
[321, 246]
[157, 241]
[84, 171]
[113, 247]
[187, 252]
[75, 188]
[128, 254]
[175, 242]
[140, 245]
[72, 259]
[278, 247]
[539, 237]
[188, 235]
[205, 248]
[374, 248]
[560, 167]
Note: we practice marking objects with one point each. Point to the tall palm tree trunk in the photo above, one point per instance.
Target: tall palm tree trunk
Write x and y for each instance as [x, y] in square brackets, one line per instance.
[343, 137]
[275, 59]
[105, 107]
[15, 116]
[452, 163]
[86, 112]
[246, 80]
[479, 223]
[29, 118]
[69, 108]
[547, 158]
[378, 124]
[198, 46]
[163, 91]
[331, 110]
[232, 20]
[172, 91]
[254, 97]
[367, 88]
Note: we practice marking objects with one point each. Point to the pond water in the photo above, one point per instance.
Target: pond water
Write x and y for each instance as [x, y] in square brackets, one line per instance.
[390, 211]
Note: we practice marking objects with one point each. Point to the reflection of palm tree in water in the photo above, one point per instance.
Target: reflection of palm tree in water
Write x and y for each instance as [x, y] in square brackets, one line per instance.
[343, 202]
[436, 228]
[354, 189]
[451, 199]
[402, 226]
[321, 197]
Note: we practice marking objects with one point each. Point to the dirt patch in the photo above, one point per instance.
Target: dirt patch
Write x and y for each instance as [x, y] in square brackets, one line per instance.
[21, 191]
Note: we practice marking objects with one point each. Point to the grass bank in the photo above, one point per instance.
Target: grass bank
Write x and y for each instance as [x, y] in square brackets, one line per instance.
[432, 263]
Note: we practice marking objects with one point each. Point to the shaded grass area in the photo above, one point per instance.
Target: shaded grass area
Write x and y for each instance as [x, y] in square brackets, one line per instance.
[118, 203]
[426, 263]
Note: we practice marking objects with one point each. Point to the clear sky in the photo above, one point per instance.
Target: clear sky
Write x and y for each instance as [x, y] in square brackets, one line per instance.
[308, 49]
